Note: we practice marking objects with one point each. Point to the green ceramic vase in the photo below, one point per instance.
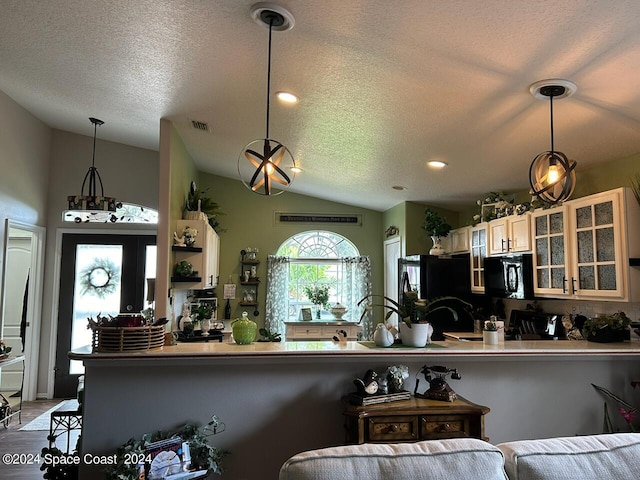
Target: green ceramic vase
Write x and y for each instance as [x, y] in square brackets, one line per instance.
[244, 330]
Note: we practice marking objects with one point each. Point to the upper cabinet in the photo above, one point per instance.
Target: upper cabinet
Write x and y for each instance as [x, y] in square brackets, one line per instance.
[510, 234]
[582, 249]
[203, 256]
[478, 239]
[457, 241]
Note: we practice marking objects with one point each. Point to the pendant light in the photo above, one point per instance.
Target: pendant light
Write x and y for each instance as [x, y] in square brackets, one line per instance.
[266, 161]
[91, 202]
[552, 175]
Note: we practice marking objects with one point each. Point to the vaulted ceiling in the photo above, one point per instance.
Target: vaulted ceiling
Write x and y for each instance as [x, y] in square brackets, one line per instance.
[384, 85]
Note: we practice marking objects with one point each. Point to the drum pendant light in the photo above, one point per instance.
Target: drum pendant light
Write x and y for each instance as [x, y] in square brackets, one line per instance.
[266, 161]
[552, 175]
[91, 202]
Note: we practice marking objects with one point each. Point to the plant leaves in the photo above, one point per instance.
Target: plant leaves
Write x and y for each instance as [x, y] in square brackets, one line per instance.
[613, 396]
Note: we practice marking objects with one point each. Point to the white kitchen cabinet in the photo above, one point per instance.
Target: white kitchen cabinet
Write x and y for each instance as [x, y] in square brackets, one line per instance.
[457, 241]
[203, 256]
[510, 234]
[582, 249]
[320, 330]
[478, 239]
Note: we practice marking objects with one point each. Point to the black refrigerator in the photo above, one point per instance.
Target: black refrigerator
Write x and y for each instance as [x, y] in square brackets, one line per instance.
[439, 276]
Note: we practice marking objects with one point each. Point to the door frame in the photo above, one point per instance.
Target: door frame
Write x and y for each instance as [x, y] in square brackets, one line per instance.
[55, 293]
[34, 301]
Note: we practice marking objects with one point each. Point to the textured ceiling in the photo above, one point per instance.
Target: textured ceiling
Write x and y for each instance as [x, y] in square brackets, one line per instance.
[384, 85]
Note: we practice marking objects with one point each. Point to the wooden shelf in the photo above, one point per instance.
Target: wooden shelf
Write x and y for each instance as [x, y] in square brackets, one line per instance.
[257, 282]
[176, 248]
[250, 262]
[177, 279]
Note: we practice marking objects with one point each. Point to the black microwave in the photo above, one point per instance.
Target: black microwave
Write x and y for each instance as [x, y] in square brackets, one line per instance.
[509, 276]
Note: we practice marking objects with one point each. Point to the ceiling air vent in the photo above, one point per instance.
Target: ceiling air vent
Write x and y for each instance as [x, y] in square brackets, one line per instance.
[203, 126]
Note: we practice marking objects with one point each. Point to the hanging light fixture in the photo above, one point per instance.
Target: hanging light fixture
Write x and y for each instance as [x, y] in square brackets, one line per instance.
[552, 175]
[265, 161]
[80, 205]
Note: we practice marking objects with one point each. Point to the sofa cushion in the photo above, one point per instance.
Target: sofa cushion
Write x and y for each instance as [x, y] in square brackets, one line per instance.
[592, 457]
[460, 459]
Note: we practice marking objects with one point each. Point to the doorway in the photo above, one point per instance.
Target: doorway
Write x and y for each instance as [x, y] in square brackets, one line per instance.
[99, 275]
[23, 279]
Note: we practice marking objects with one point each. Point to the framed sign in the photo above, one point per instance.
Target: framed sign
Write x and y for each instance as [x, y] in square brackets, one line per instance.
[230, 290]
[306, 314]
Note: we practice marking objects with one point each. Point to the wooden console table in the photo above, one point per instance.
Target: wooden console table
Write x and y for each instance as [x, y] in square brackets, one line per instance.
[413, 420]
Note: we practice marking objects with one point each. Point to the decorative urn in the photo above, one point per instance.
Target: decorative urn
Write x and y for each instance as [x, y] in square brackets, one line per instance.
[244, 330]
[338, 310]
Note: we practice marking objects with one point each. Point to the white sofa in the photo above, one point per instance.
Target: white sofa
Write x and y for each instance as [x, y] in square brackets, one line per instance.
[592, 457]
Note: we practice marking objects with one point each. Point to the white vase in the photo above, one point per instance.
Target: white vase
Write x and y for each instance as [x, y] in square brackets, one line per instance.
[490, 337]
[437, 246]
[382, 337]
[418, 335]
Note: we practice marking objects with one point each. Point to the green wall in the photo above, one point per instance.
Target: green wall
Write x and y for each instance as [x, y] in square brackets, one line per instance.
[600, 178]
[249, 221]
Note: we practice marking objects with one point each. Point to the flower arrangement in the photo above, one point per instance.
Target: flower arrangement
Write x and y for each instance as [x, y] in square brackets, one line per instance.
[435, 224]
[626, 410]
[497, 205]
[318, 295]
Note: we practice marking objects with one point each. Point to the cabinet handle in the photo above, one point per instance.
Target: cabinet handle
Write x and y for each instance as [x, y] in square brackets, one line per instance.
[445, 427]
[502, 245]
[573, 285]
[508, 244]
[564, 284]
[392, 428]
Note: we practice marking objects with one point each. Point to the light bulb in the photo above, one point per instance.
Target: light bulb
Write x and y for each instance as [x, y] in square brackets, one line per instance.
[553, 174]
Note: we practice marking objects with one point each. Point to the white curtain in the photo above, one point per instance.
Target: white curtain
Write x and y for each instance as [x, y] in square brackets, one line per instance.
[357, 285]
[277, 299]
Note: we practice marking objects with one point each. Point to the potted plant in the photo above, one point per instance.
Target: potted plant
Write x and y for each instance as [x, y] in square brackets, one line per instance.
[319, 296]
[437, 228]
[607, 328]
[415, 328]
[203, 315]
[490, 333]
[198, 205]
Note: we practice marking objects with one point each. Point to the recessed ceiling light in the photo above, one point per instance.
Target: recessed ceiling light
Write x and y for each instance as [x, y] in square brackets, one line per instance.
[295, 169]
[399, 187]
[287, 97]
[436, 164]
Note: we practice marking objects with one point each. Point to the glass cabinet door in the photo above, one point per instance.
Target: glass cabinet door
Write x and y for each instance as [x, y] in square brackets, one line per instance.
[597, 247]
[550, 252]
[478, 246]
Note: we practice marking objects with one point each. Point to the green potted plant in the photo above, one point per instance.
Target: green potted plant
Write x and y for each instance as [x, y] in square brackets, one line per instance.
[199, 204]
[437, 228]
[490, 332]
[607, 328]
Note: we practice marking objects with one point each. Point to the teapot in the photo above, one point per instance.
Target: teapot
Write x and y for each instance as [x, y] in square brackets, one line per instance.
[383, 337]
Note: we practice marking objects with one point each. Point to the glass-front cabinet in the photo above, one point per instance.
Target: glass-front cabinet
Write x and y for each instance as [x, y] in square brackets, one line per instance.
[582, 249]
[596, 237]
[478, 244]
[550, 252]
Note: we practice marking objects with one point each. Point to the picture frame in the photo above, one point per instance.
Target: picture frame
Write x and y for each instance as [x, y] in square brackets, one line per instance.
[306, 314]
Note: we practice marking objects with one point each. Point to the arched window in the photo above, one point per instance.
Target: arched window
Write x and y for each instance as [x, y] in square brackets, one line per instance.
[311, 261]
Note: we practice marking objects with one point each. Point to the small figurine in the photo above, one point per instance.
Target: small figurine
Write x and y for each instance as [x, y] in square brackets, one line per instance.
[179, 241]
[368, 385]
[340, 337]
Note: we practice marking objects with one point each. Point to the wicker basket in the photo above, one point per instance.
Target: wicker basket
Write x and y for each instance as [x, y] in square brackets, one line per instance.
[194, 215]
[128, 339]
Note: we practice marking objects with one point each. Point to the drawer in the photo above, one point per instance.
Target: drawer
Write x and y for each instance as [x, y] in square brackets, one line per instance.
[444, 426]
[385, 429]
[304, 331]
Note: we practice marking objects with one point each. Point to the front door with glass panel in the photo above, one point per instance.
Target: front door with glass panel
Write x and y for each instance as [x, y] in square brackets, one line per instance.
[100, 274]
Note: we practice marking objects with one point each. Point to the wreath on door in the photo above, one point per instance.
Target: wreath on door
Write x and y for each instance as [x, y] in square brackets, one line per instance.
[100, 278]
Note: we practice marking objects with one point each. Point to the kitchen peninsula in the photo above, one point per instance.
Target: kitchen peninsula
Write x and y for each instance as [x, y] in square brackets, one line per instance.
[277, 399]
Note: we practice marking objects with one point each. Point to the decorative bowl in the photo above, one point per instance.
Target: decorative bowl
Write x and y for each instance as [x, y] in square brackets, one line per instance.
[338, 311]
